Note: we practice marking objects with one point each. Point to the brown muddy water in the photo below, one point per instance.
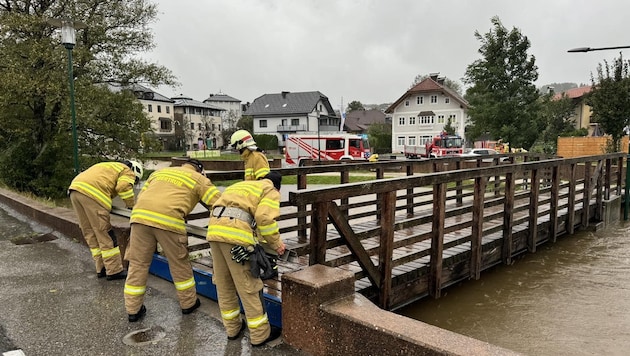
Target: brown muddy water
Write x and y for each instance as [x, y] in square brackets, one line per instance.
[571, 297]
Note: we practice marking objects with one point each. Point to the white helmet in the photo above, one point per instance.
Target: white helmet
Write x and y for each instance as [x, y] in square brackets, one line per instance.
[136, 167]
[241, 139]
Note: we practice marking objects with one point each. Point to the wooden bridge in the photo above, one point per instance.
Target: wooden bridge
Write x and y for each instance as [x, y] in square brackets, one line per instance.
[439, 222]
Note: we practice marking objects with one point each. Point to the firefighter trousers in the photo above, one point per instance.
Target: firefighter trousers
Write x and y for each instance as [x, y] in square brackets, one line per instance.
[95, 226]
[234, 281]
[143, 242]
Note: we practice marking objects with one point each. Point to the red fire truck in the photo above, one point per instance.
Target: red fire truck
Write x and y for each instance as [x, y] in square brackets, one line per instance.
[440, 146]
[326, 147]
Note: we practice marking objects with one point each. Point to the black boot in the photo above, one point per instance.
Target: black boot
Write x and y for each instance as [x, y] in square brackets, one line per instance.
[275, 333]
[120, 275]
[137, 316]
[240, 332]
[102, 273]
[192, 309]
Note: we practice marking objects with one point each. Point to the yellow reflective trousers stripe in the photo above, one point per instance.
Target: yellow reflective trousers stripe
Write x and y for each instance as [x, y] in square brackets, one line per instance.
[230, 314]
[95, 252]
[111, 252]
[254, 323]
[183, 285]
[135, 290]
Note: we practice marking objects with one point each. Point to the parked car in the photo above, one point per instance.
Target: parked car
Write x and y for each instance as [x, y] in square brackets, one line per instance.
[480, 152]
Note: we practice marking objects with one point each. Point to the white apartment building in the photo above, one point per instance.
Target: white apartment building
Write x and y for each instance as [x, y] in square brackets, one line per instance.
[201, 123]
[422, 112]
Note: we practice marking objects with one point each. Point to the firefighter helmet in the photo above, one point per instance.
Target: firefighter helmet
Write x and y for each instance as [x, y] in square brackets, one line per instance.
[136, 167]
[275, 178]
[241, 139]
[196, 163]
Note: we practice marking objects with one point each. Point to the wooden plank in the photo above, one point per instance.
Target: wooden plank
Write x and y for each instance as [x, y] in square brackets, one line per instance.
[553, 205]
[319, 225]
[353, 244]
[508, 217]
[533, 211]
[388, 204]
[571, 199]
[437, 240]
[587, 194]
[477, 228]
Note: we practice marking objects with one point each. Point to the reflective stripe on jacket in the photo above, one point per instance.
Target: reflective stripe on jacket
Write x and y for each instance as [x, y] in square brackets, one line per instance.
[261, 200]
[256, 164]
[169, 195]
[104, 181]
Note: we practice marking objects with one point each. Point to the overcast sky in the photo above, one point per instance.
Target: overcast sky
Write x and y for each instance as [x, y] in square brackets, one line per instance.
[368, 50]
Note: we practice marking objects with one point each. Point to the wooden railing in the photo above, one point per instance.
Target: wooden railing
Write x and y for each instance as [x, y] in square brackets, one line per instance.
[404, 257]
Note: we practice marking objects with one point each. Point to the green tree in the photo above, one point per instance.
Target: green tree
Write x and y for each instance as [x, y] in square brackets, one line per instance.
[503, 98]
[246, 122]
[610, 99]
[449, 83]
[354, 106]
[449, 128]
[557, 117]
[36, 134]
[380, 137]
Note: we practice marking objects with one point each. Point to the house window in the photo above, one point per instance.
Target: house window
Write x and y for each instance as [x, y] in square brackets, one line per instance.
[192, 125]
[412, 140]
[165, 125]
[199, 126]
[452, 118]
[427, 120]
[425, 139]
[440, 119]
[262, 123]
[406, 102]
[434, 99]
[420, 100]
[295, 122]
[447, 100]
[401, 121]
[412, 120]
[168, 109]
[213, 127]
[159, 107]
[401, 140]
[150, 108]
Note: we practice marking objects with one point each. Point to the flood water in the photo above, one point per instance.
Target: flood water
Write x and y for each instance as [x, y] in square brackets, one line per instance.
[571, 297]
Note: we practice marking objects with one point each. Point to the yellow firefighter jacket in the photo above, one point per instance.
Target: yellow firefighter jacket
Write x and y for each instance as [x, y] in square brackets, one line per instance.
[258, 198]
[256, 164]
[104, 181]
[169, 195]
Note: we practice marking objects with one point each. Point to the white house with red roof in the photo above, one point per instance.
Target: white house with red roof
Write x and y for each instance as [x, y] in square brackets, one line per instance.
[583, 112]
[422, 112]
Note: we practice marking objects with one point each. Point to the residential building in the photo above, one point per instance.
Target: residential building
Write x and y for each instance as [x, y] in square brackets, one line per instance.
[233, 109]
[200, 122]
[582, 112]
[422, 112]
[286, 113]
[359, 121]
[160, 111]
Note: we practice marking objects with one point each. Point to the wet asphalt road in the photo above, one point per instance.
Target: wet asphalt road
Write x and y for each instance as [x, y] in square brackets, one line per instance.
[51, 303]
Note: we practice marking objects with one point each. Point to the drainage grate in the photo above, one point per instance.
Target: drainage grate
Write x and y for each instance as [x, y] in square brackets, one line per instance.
[145, 336]
[33, 238]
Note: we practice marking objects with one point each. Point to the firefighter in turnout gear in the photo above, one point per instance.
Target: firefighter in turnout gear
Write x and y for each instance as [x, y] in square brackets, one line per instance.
[91, 193]
[256, 163]
[167, 197]
[245, 210]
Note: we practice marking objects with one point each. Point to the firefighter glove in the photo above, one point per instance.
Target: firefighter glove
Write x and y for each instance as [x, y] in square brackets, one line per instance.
[240, 254]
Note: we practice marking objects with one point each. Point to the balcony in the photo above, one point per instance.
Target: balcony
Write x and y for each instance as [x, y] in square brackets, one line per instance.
[291, 128]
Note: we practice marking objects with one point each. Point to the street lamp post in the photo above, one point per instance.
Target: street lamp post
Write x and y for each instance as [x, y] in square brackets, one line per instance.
[626, 207]
[68, 39]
